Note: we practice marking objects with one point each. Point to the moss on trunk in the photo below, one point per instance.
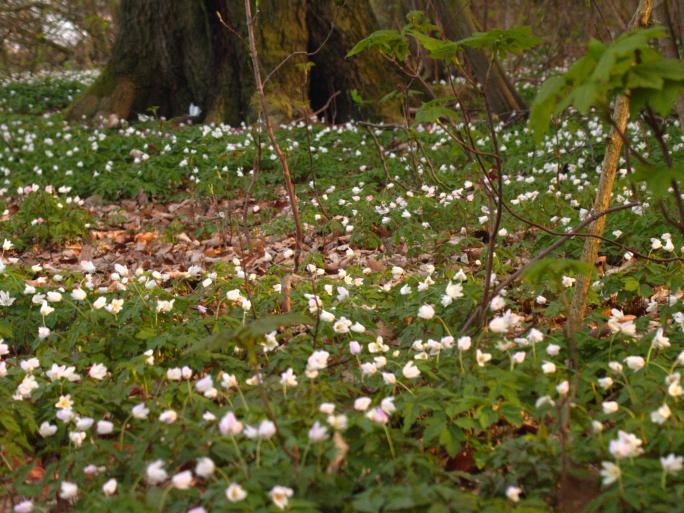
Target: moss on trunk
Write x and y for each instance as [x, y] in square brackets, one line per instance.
[169, 54]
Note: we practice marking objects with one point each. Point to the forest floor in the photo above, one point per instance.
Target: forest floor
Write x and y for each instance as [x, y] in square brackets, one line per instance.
[161, 353]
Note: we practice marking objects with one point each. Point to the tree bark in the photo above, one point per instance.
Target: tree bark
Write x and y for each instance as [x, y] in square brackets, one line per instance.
[458, 22]
[171, 53]
[608, 171]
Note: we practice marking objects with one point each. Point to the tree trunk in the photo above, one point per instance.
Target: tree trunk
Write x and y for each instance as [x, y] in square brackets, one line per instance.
[605, 188]
[171, 53]
[458, 22]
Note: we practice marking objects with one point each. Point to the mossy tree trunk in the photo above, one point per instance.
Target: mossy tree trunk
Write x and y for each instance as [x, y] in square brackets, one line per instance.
[171, 53]
[457, 22]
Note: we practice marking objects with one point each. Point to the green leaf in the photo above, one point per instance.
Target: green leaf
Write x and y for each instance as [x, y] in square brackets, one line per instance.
[658, 178]
[630, 284]
[146, 333]
[544, 105]
[503, 42]
[434, 428]
[5, 329]
[430, 113]
[389, 42]
[553, 269]
[451, 438]
[247, 335]
[438, 48]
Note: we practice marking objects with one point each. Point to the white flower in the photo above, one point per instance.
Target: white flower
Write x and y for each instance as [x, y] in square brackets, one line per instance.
[164, 306]
[567, 281]
[140, 411]
[155, 472]
[229, 381]
[205, 384]
[482, 358]
[518, 357]
[548, 367]
[552, 349]
[78, 294]
[235, 493]
[387, 405]
[426, 312]
[454, 290]
[378, 415]
[205, 467]
[610, 472]
[109, 488]
[327, 316]
[410, 371]
[98, 371]
[498, 325]
[6, 299]
[672, 464]
[318, 433]
[100, 303]
[563, 388]
[168, 417]
[266, 429]
[68, 490]
[626, 445]
[355, 347]
[535, 336]
[46, 429]
[660, 415]
[233, 295]
[342, 325]
[245, 304]
[104, 427]
[46, 309]
[635, 363]
[338, 422]
[182, 480]
[230, 425]
[87, 266]
[288, 378]
[64, 403]
[54, 296]
[616, 367]
[83, 423]
[497, 303]
[115, 306]
[362, 403]
[513, 493]
[317, 361]
[29, 365]
[280, 496]
[463, 343]
[174, 374]
[605, 383]
[327, 408]
[609, 407]
[24, 507]
[659, 340]
[194, 111]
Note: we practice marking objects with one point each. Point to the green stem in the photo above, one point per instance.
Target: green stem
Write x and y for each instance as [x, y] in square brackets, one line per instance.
[389, 441]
